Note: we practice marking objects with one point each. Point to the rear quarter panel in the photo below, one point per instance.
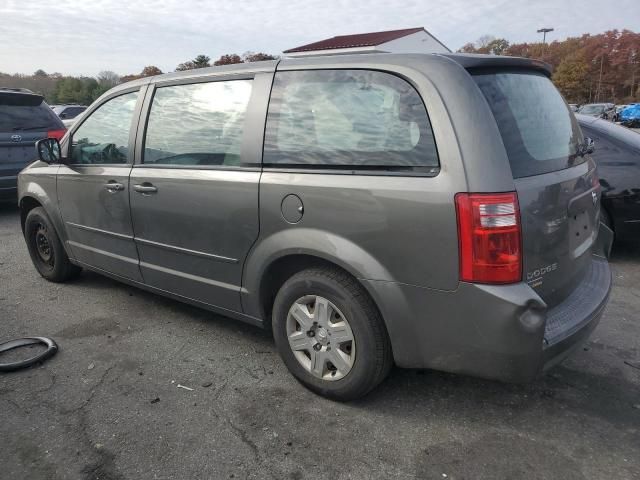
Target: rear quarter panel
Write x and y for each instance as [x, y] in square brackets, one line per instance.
[387, 228]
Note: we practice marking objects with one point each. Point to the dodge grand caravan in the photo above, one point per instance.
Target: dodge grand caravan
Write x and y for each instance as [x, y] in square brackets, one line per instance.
[432, 211]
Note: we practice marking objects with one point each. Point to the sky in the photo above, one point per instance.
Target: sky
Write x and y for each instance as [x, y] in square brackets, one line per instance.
[88, 36]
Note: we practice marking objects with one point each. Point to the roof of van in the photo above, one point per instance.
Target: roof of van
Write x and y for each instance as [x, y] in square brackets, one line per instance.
[466, 60]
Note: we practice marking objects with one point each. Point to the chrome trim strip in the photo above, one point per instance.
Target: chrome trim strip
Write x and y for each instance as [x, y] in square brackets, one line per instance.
[97, 230]
[195, 253]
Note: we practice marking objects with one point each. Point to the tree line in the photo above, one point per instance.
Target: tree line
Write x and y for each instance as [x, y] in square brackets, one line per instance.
[83, 90]
[589, 68]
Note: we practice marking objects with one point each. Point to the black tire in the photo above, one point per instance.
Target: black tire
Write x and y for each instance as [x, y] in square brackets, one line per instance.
[373, 357]
[45, 248]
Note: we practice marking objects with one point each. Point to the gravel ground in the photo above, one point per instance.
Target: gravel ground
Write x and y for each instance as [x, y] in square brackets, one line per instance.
[109, 405]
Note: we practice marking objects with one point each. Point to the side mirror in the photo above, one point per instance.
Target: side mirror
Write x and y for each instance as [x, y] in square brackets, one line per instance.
[49, 150]
[63, 115]
[589, 145]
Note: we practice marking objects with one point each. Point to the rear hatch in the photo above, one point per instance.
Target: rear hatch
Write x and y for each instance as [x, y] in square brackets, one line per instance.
[24, 119]
[557, 187]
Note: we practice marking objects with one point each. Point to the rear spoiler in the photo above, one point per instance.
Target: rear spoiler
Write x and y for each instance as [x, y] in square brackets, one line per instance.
[20, 99]
[472, 61]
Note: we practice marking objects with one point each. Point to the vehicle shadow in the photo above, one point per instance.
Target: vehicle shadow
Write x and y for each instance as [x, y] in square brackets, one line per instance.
[8, 209]
[625, 252]
[89, 280]
[570, 386]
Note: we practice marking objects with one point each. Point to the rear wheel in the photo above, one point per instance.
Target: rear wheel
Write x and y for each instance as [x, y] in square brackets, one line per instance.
[330, 334]
[45, 248]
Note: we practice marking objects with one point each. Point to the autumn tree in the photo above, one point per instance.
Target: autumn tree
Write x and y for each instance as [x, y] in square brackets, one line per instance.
[150, 71]
[257, 57]
[591, 68]
[228, 59]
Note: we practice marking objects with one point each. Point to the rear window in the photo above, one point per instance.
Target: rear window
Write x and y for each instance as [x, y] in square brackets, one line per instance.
[348, 119]
[20, 112]
[539, 132]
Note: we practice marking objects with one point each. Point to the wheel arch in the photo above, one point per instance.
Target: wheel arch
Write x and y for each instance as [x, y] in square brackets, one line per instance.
[27, 203]
[278, 257]
[34, 197]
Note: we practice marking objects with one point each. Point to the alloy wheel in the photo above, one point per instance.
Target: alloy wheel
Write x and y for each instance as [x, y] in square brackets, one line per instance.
[321, 338]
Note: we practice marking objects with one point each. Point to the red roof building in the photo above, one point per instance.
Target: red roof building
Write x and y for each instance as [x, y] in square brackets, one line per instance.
[409, 40]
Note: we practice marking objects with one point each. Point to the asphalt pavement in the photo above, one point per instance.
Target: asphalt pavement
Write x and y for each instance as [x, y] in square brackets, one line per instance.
[111, 405]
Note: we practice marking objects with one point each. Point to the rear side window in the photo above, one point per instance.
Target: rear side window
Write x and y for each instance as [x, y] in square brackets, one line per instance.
[23, 112]
[103, 138]
[197, 124]
[539, 132]
[350, 119]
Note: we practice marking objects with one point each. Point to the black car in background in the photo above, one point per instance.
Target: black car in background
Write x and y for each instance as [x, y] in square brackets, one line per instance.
[24, 119]
[617, 154]
[67, 112]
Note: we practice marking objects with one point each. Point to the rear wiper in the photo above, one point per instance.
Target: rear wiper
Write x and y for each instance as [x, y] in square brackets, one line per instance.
[24, 129]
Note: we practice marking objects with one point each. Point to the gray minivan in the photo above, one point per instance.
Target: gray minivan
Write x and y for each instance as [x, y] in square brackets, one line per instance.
[432, 211]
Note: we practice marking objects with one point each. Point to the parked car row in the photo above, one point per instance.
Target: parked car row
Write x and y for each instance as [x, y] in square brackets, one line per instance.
[598, 110]
[628, 115]
[617, 154]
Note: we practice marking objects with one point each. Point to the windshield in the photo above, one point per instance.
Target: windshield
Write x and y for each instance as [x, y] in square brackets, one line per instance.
[539, 132]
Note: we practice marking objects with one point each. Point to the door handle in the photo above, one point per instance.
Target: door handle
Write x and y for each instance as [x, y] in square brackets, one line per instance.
[114, 187]
[145, 188]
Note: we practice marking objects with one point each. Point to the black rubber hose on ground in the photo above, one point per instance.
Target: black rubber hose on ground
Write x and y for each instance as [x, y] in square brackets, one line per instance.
[51, 350]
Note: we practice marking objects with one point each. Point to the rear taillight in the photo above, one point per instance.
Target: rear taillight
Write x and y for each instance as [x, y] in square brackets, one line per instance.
[57, 134]
[489, 235]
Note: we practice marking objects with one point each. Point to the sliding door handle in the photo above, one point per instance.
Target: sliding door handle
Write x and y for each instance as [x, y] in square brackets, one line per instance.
[113, 187]
[145, 188]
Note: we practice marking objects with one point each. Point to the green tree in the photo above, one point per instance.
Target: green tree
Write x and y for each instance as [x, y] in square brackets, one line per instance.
[497, 46]
[486, 44]
[201, 61]
[570, 78]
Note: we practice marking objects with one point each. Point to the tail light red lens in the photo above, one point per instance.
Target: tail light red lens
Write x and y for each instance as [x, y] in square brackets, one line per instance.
[489, 234]
[57, 134]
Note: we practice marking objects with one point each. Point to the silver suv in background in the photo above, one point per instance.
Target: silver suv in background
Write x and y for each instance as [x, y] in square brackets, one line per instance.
[24, 118]
[436, 211]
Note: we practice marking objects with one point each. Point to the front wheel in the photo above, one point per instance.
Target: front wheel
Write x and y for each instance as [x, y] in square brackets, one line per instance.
[330, 335]
[45, 248]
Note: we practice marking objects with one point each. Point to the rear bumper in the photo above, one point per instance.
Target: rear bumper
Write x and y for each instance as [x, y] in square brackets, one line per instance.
[498, 332]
